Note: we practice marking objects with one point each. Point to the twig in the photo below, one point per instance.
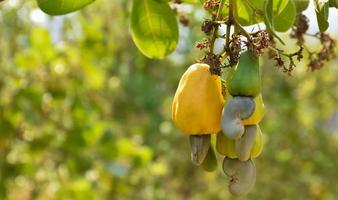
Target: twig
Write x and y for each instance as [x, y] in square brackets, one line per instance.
[218, 16]
[230, 19]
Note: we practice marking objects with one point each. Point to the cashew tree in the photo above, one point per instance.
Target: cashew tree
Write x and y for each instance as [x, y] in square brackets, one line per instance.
[220, 96]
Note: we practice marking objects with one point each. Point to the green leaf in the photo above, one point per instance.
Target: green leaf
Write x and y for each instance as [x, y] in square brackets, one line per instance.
[322, 12]
[279, 15]
[286, 17]
[154, 28]
[269, 11]
[268, 19]
[61, 7]
[279, 5]
[333, 3]
[301, 5]
[249, 11]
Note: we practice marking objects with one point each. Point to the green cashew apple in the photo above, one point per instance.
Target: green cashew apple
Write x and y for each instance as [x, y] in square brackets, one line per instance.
[245, 79]
[210, 162]
[242, 175]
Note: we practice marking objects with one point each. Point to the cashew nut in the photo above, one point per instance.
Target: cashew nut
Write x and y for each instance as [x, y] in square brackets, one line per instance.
[236, 110]
[199, 145]
[245, 144]
[242, 175]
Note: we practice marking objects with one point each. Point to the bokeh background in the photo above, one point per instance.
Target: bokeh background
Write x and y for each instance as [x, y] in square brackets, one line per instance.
[84, 115]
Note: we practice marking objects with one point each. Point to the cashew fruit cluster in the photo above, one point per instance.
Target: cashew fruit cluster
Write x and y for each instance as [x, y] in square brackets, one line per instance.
[241, 139]
[205, 106]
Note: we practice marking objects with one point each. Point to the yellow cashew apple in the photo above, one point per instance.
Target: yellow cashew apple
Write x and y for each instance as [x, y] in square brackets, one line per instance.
[198, 102]
[226, 146]
[259, 112]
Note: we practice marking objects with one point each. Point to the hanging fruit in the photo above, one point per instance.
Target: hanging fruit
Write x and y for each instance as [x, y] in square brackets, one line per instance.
[259, 112]
[227, 147]
[198, 101]
[197, 108]
[242, 175]
[210, 162]
[204, 104]
[237, 109]
[246, 77]
[241, 138]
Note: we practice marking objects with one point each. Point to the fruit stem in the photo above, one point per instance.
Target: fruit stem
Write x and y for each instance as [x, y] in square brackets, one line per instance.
[218, 18]
[233, 21]
[230, 19]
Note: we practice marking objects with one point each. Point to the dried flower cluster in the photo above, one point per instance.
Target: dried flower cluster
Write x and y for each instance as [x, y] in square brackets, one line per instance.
[184, 20]
[205, 44]
[182, 17]
[208, 27]
[234, 49]
[214, 61]
[302, 25]
[211, 5]
[260, 40]
[327, 52]
[277, 54]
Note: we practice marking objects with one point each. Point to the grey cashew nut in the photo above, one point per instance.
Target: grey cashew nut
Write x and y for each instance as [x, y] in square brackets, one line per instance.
[242, 175]
[236, 110]
[199, 146]
[246, 142]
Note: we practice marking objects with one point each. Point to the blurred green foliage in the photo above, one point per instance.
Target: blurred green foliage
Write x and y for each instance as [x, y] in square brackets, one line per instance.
[83, 115]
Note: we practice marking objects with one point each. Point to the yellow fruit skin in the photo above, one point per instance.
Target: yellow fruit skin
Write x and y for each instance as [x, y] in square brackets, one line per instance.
[226, 146]
[198, 102]
[259, 112]
[258, 146]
